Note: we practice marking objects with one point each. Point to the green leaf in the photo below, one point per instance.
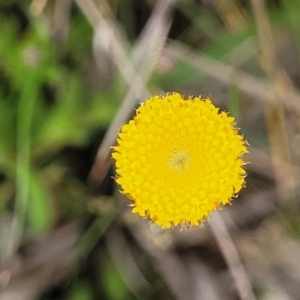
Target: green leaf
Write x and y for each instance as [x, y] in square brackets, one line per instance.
[81, 291]
[114, 285]
[39, 206]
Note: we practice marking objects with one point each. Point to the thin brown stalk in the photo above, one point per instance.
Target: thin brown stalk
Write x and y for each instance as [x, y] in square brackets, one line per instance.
[232, 14]
[274, 112]
[61, 18]
[157, 245]
[232, 258]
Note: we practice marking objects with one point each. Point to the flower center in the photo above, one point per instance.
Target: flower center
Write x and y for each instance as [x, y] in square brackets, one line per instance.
[179, 160]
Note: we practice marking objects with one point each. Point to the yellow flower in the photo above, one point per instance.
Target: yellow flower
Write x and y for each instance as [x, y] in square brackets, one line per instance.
[179, 159]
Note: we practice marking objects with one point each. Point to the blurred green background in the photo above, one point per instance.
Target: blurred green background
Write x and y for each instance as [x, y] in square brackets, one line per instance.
[71, 73]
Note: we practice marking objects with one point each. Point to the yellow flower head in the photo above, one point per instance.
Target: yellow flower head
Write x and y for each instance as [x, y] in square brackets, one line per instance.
[179, 159]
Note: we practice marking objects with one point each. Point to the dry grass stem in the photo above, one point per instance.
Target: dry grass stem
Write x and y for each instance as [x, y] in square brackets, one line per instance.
[262, 163]
[232, 258]
[61, 18]
[232, 14]
[136, 72]
[274, 111]
[258, 88]
[166, 261]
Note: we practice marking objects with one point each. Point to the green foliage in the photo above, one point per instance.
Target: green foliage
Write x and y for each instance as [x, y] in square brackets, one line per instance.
[35, 127]
[82, 291]
[113, 284]
[40, 211]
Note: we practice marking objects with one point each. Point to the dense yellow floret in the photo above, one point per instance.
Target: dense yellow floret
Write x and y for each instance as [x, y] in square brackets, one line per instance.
[179, 159]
